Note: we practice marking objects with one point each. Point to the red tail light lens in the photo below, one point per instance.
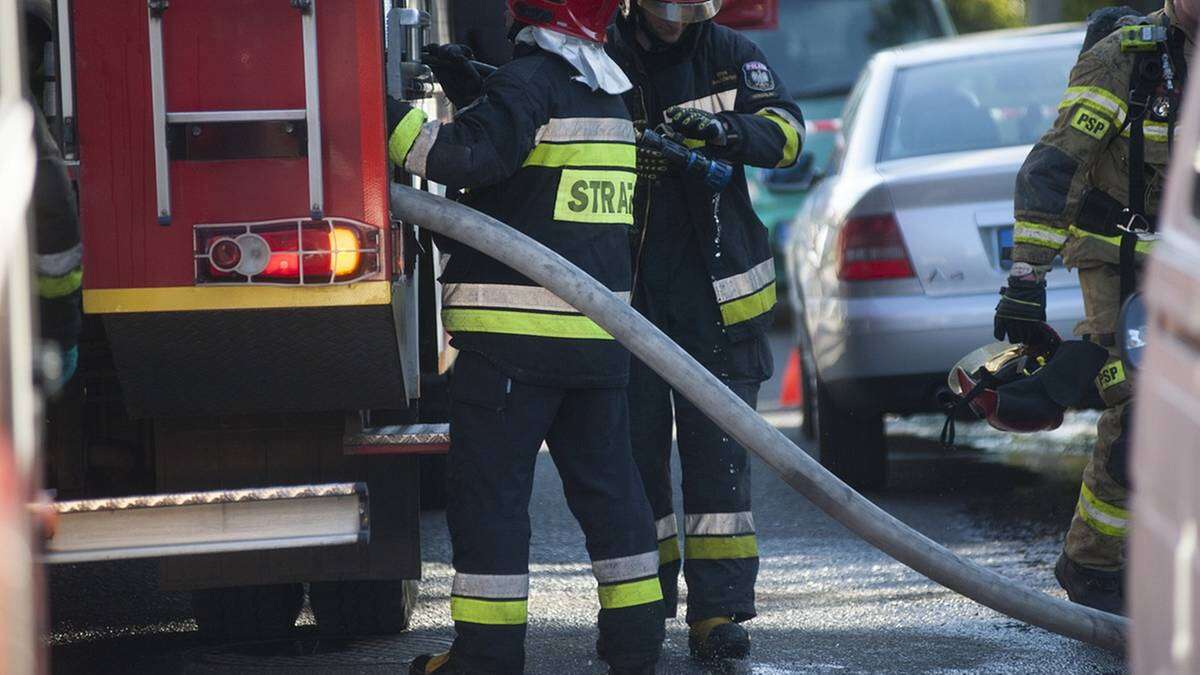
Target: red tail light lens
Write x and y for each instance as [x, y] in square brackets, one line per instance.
[870, 248]
[334, 250]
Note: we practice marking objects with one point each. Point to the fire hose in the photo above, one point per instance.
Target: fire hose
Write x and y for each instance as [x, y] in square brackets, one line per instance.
[722, 406]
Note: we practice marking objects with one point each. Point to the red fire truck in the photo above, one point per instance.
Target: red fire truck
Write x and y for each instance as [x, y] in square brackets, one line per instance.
[262, 353]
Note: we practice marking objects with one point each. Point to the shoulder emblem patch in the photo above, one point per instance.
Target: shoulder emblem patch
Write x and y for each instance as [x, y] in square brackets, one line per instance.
[1090, 123]
[758, 76]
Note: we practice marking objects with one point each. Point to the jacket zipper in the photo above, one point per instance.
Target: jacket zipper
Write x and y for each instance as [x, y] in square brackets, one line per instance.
[637, 262]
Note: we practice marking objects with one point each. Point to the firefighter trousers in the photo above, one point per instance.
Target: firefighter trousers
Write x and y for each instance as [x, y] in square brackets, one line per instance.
[720, 549]
[497, 426]
[1100, 525]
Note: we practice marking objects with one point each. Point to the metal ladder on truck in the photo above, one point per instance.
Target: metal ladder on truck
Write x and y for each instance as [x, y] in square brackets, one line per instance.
[310, 115]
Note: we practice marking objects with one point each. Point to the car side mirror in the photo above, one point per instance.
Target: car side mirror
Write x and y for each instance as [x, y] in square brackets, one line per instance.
[1131, 332]
[800, 177]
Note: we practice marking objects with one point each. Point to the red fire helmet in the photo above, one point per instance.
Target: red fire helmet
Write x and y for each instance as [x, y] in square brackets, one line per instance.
[587, 19]
[682, 11]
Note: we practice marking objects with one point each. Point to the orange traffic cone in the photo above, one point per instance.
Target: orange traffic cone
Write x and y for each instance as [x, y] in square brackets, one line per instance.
[791, 394]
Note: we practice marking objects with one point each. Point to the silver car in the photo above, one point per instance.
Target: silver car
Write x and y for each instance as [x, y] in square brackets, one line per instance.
[896, 257]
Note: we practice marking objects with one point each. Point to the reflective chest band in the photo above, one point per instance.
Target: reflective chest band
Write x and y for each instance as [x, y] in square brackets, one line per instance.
[515, 310]
[745, 296]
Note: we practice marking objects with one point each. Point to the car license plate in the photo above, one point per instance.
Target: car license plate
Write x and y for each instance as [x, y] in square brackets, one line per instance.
[1004, 244]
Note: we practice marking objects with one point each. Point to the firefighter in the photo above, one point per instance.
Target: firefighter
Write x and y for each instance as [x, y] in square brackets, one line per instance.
[547, 147]
[704, 274]
[59, 261]
[1090, 190]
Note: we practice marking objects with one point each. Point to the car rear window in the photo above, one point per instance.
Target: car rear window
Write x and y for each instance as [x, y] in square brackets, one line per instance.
[984, 102]
[821, 45]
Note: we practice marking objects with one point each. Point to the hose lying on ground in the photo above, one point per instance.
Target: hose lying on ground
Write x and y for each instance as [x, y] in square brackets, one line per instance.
[740, 421]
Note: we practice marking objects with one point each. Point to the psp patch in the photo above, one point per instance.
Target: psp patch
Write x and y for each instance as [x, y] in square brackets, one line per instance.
[1090, 123]
[758, 76]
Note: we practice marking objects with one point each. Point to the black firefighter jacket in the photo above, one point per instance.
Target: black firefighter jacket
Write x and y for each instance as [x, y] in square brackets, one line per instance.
[555, 160]
[715, 69]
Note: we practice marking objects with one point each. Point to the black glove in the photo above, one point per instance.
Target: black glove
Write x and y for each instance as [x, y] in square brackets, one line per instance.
[698, 124]
[451, 65]
[1021, 313]
[651, 164]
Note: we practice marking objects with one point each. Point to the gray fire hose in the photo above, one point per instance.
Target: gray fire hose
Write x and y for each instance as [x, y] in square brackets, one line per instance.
[740, 421]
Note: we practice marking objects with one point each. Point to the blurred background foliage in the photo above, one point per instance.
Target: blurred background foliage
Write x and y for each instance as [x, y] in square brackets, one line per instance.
[976, 15]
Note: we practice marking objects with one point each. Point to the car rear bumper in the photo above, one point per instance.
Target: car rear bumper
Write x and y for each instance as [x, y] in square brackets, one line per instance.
[910, 336]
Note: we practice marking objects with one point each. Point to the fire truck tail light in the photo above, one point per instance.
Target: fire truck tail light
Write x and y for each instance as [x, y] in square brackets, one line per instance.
[225, 254]
[289, 252]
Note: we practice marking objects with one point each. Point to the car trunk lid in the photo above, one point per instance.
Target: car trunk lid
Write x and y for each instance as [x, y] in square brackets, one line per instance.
[955, 212]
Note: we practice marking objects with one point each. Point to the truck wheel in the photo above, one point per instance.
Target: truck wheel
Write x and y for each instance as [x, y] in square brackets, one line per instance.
[363, 607]
[433, 482]
[248, 612]
[852, 442]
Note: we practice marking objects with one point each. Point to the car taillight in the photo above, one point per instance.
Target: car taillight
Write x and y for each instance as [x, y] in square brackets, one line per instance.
[334, 250]
[871, 248]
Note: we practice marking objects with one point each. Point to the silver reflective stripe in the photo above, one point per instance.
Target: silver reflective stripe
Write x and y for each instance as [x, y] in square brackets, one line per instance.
[59, 264]
[586, 129]
[713, 103]
[637, 566]
[719, 523]
[494, 586]
[508, 296]
[418, 156]
[741, 285]
[791, 120]
[666, 527]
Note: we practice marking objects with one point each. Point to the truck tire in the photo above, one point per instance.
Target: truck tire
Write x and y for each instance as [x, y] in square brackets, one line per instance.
[852, 442]
[248, 612]
[363, 607]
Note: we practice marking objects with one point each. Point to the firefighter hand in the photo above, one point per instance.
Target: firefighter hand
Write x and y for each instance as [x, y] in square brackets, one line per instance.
[1021, 313]
[651, 164]
[451, 65]
[699, 125]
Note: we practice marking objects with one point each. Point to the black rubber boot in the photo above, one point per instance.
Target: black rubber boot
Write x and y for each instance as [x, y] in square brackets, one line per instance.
[717, 639]
[1093, 588]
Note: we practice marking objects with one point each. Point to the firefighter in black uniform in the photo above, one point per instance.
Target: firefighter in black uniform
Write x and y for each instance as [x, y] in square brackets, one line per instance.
[59, 261]
[547, 147]
[704, 274]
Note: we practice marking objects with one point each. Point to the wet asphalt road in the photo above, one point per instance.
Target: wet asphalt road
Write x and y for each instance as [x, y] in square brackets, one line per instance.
[827, 602]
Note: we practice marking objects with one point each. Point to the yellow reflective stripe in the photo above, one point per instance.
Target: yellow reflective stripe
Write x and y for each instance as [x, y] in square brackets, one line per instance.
[630, 593]
[694, 143]
[720, 548]
[1100, 99]
[791, 145]
[489, 612]
[1025, 232]
[1100, 516]
[203, 298]
[404, 135]
[749, 307]
[1110, 376]
[574, 326]
[58, 287]
[668, 550]
[1143, 247]
[1153, 131]
[740, 285]
[591, 196]
[617, 155]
